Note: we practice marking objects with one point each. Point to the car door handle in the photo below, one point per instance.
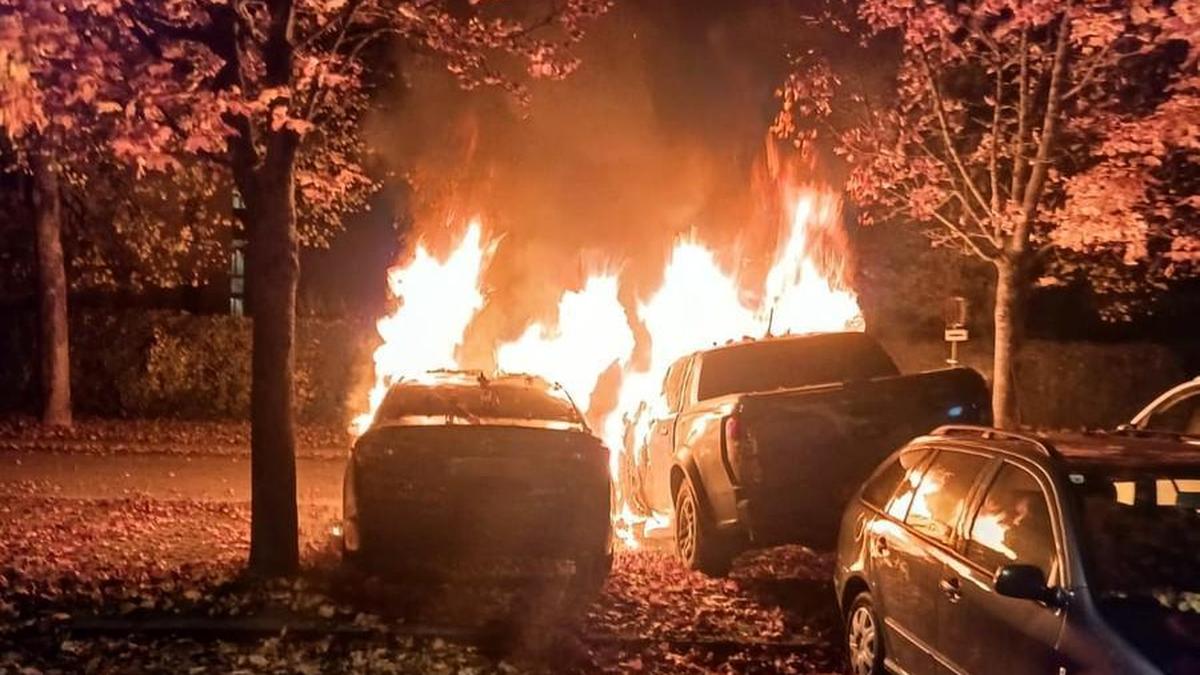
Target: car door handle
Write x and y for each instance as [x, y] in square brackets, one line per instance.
[952, 588]
[664, 430]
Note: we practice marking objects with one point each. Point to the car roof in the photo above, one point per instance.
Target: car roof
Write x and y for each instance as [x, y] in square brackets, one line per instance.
[1126, 451]
[750, 341]
[1079, 451]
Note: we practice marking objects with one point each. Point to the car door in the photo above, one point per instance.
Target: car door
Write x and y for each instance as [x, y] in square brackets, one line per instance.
[982, 632]
[910, 549]
[660, 445]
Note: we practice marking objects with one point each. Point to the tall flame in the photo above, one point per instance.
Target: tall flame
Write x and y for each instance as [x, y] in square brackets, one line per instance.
[592, 334]
[800, 297]
[437, 300]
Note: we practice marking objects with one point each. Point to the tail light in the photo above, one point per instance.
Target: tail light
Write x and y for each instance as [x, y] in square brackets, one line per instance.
[739, 451]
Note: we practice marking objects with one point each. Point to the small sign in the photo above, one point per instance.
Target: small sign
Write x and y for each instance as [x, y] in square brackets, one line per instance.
[956, 335]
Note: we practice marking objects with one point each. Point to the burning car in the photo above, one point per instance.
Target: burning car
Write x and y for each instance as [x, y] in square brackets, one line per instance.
[460, 466]
[762, 442]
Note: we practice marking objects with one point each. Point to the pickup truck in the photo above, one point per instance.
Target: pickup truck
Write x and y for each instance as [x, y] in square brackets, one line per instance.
[762, 442]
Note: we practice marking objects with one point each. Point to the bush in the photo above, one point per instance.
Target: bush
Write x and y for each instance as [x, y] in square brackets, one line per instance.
[185, 366]
[1067, 384]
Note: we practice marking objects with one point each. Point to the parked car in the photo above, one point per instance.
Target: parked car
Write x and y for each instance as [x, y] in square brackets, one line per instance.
[763, 441]
[972, 550]
[1176, 412]
[457, 465]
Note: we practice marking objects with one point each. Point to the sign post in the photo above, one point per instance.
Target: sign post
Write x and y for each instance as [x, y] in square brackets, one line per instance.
[955, 315]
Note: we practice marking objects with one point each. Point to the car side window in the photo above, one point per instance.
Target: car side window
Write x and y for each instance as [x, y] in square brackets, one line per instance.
[880, 487]
[672, 384]
[1013, 524]
[937, 503]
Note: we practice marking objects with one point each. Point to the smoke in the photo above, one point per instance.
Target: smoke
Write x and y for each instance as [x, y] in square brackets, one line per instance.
[660, 133]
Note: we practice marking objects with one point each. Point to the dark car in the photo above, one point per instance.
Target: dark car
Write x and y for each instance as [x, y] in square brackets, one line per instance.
[972, 550]
[459, 466]
[762, 442]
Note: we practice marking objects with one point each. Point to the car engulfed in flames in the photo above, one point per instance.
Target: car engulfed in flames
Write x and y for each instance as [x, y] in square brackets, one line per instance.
[462, 467]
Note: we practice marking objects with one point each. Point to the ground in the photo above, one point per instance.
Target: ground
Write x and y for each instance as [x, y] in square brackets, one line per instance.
[142, 572]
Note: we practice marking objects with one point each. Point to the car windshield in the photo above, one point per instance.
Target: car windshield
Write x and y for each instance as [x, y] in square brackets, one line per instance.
[1141, 538]
[1180, 415]
[787, 363]
[473, 403]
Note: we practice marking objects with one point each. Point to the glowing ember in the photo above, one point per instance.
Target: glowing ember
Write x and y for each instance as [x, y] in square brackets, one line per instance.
[437, 300]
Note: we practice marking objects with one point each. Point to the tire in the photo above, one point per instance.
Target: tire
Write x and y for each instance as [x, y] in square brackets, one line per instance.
[698, 544]
[864, 637]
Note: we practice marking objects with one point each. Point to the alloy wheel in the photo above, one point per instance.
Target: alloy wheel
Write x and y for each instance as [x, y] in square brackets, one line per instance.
[862, 640]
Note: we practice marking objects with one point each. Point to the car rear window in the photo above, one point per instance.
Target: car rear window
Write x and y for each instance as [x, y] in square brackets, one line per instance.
[471, 403]
[787, 363]
[1141, 530]
[880, 487]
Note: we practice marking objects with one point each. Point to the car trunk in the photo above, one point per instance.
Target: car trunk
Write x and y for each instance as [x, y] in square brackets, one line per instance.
[481, 490]
[815, 445]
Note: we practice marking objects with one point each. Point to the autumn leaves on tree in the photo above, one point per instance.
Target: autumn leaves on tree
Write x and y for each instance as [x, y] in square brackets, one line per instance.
[1030, 134]
[269, 93]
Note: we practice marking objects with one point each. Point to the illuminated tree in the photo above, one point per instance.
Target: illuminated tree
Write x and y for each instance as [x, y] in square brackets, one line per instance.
[1017, 130]
[59, 77]
[257, 85]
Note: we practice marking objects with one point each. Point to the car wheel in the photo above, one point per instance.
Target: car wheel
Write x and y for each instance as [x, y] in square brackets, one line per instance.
[864, 637]
[697, 543]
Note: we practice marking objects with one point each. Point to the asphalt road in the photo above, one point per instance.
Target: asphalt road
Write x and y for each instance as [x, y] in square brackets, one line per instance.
[166, 477]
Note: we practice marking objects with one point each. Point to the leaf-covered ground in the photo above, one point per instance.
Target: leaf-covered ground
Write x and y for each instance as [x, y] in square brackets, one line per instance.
[136, 585]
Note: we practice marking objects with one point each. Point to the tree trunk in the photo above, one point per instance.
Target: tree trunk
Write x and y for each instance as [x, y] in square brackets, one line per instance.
[53, 345]
[274, 534]
[1007, 340]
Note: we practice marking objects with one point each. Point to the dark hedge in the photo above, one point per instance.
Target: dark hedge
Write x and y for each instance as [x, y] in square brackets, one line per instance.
[1069, 384]
[167, 364]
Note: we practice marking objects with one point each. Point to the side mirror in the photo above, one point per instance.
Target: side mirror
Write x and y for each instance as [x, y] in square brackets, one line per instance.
[1026, 582]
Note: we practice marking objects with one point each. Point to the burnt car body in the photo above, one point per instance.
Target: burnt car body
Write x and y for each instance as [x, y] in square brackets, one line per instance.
[459, 466]
[764, 441]
[973, 550]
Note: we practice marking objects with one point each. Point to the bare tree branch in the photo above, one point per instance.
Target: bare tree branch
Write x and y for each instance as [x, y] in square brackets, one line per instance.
[944, 125]
[1018, 144]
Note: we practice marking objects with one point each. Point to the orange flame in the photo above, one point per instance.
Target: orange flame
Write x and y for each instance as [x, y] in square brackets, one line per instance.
[438, 299]
[592, 334]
